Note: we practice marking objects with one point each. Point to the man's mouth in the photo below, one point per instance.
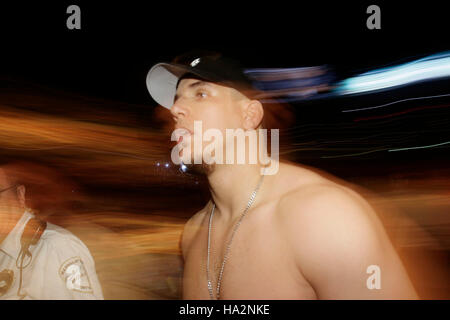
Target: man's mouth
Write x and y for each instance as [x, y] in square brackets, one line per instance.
[181, 133]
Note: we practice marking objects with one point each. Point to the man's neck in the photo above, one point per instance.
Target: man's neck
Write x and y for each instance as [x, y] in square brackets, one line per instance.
[231, 187]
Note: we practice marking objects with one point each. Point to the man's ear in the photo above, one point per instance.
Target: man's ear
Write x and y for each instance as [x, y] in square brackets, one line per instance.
[21, 190]
[253, 114]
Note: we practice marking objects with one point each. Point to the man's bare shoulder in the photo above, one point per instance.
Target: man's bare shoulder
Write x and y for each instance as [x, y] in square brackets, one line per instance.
[191, 228]
[323, 215]
[320, 201]
[335, 235]
[308, 187]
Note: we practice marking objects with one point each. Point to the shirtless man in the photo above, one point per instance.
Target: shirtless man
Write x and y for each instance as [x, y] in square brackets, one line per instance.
[305, 236]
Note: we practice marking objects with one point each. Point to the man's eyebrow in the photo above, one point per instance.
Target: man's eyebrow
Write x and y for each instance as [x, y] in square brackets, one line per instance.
[198, 84]
[194, 84]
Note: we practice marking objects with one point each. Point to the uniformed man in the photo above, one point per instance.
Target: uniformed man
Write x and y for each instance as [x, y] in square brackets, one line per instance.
[40, 260]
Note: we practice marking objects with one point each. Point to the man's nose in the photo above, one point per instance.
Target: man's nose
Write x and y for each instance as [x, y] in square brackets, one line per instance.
[178, 110]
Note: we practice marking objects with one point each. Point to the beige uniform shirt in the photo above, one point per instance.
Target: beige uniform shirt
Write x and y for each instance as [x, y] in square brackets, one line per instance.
[61, 266]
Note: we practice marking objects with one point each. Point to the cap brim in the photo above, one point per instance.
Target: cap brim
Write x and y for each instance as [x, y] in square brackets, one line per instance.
[162, 82]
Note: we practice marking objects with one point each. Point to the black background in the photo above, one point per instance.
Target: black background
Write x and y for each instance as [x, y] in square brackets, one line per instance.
[119, 41]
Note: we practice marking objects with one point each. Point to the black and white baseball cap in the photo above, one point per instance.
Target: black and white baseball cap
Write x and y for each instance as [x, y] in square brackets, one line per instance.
[162, 79]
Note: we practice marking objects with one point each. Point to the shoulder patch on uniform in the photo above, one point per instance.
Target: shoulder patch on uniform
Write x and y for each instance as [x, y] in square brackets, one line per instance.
[74, 275]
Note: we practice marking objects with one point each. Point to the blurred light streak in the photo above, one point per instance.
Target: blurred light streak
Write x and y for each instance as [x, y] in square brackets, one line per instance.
[432, 67]
[81, 149]
[317, 82]
[296, 82]
[421, 147]
[353, 154]
[399, 113]
[398, 101]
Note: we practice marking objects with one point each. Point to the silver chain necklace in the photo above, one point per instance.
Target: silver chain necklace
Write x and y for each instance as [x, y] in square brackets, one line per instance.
[225, 258]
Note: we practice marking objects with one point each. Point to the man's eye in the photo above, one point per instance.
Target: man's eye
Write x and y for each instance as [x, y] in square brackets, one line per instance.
[201, 94]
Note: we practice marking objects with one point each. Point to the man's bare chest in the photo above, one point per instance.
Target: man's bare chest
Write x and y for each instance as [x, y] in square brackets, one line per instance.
[259, 265]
